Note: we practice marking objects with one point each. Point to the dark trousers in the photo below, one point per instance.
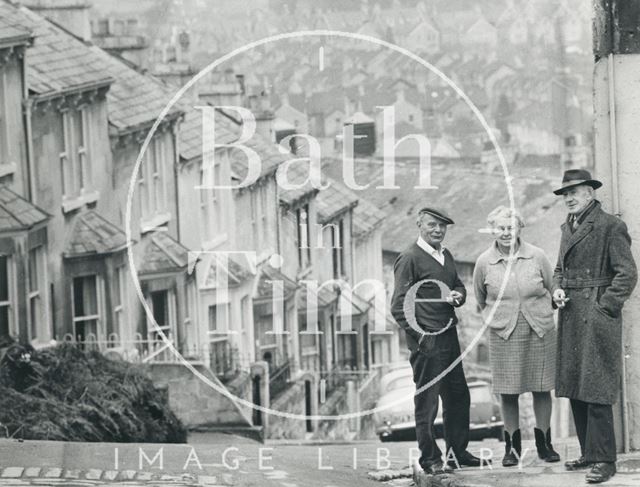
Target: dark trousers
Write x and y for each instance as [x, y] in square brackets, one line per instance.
[428, 363]
[594, 427]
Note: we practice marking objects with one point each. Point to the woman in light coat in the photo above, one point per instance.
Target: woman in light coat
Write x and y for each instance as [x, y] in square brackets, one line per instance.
[522, 340]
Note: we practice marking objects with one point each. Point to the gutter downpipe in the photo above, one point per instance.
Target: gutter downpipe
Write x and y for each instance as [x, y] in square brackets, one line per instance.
[26, 120]
[615, 196]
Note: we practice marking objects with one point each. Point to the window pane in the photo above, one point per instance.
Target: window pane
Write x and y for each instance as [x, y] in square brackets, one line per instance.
[33, 269]
[160, 308]
[4, 321]
[78, 141]
[213, 321]
[4, 279]
[87, 329]
[117, 286]
[218, 318]
[85, 296]
[34, 310]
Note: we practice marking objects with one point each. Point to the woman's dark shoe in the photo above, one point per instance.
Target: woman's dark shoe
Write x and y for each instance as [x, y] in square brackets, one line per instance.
[544, 446]
[512, 449]
[577, 464]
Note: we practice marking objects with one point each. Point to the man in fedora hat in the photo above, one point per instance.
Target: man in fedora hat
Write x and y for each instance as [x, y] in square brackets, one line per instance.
[594, 276]
[427, 289]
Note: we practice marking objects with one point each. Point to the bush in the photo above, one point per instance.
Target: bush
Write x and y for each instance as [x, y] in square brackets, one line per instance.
[65, 393]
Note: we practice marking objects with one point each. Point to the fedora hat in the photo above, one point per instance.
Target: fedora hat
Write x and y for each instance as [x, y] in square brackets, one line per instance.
[576, 177]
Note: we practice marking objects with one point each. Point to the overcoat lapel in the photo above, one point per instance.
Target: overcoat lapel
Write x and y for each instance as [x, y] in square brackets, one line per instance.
[583, 230]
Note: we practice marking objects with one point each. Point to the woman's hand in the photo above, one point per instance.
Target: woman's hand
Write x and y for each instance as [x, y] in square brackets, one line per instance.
[560, 298]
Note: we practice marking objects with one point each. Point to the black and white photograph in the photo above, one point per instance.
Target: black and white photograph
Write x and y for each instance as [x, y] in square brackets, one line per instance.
[319, 243]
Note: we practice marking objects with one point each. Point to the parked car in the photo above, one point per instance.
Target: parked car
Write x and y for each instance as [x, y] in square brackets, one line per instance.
[395, 419]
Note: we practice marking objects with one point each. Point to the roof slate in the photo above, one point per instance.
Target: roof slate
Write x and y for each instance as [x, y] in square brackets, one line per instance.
[92, 234]
[16, 213]
[10, 34]
[333, 200]
[324, 297]
[57, 60]
[191, 132]
[134, 99]
[232, 271]
[264, 286]
[366, 218]
[162, 254]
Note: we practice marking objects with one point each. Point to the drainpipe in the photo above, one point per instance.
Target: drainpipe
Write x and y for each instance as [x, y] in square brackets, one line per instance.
[176, 173]
[26, 119]
[615, 197]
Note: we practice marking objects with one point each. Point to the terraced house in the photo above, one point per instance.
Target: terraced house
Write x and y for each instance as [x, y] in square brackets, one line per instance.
[257, 287]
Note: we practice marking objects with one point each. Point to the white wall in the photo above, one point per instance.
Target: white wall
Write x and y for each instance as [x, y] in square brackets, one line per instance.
[627, 113]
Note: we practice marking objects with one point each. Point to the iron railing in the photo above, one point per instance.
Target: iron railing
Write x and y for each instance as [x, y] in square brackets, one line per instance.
[279, 379]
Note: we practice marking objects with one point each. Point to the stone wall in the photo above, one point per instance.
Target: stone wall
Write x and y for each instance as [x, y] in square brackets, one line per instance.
[196, 403]
[292, 401]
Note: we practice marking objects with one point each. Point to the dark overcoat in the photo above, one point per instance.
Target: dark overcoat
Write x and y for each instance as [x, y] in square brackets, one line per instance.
[598, 273]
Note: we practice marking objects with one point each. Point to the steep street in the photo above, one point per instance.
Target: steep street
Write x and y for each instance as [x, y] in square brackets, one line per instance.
[278, 464]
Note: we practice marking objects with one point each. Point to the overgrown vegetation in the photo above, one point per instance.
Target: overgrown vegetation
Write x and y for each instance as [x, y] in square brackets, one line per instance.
[64, 393]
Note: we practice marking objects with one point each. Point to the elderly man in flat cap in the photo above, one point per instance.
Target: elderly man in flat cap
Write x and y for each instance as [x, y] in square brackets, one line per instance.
[427, 289]
[594, 276]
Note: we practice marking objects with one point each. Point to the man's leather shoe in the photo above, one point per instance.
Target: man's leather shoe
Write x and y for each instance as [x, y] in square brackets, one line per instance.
[601, 472]
[466, 459]
[578, 464]
[437, 468]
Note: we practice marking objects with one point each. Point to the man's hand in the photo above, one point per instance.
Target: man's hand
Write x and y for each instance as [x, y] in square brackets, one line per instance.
[560, 298]
[455, 298]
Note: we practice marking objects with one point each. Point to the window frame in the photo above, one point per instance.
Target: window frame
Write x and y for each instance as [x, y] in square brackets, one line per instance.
[37, 293]
[170, 328]
[4, 124]
[304, 253]
[11, 294]
[219, 334]
[76, 155]
[99, 316]
[152, 180]
[119, 299]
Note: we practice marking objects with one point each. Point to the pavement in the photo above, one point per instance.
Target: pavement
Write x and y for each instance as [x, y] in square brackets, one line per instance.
[218, 460]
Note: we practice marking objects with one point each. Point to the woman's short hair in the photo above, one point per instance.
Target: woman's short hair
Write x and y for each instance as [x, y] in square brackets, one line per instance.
[504, 212]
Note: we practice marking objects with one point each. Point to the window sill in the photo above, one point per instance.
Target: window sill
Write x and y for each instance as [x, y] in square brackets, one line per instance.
[309, 351]
[151, 224]
[304, 272]
[77, 202]
[8, 169]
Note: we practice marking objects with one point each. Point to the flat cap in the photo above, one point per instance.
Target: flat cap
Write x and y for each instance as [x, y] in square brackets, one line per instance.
[436, 213]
